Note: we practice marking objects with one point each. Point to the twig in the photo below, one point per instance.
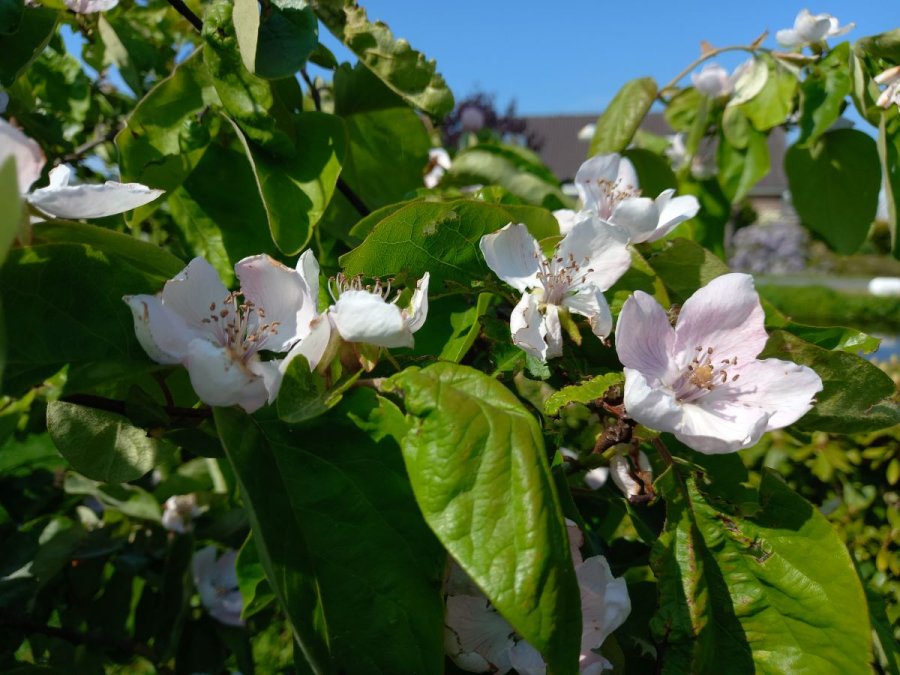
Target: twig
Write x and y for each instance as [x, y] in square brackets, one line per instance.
[118, 407]
[352, 197]
[705, 57]
[185, 11]
[662, 450]
[313, 89]
[78, 153]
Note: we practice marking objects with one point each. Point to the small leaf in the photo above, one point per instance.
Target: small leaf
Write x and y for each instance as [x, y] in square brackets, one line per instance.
[101, 445]
[466, 328]
[775, 101]
[742, 168]
[822, 93]
[622, 117]
[585, 392]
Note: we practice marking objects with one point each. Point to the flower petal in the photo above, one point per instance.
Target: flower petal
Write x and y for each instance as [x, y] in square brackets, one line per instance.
[599, 249]
[566, 219]
[590, 303]
[163, 334]
[92, 201]
[513, 255]
[197, 294]
[672, 212]
[29, 157]
[527, 327]
[90, 6]
[526, 659]
[281, 293]
[620, 472]
[644, 339]
[597, 176]
[788, 37]
[835, 29]
[552, 330]
[724, 315]
[596, 478]
[783, 389]
[716, 424]
[604, 603]
[638, 216]
[220, 380]
[472, 626]
[361, 316]
[316, 346]
[308, 268]
[418, 305]
[649, 403]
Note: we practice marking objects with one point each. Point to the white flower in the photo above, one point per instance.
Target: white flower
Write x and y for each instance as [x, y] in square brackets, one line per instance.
[608, 187]
[586, 133]
[596, 478]
[217, 335]
[811, 29]
[589, 259]
[90, 6]
[713, 81]
[59, 199]
[891, 95]
[438, 165]
[701, 380]
[179, 512]
[217, 584]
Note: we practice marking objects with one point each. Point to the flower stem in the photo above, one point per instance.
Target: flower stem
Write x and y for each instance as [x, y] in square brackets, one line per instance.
[662, 450]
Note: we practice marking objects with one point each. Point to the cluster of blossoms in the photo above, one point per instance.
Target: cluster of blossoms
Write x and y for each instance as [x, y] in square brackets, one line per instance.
[218, 335]
[479, 640]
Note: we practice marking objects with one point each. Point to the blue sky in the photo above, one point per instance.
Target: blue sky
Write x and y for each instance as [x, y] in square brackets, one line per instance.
[571, 57]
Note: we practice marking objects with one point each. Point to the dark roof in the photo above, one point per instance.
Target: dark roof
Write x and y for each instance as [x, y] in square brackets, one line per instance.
[563, 152]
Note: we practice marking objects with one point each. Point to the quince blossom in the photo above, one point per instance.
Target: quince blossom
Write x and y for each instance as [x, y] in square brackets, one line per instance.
[217, 334]
[811, 29]
[59, 199]
[891, 95]
[90, 6]
[217, 583]
[438, 165]
[179, 512]
[608, 188]
[713, 81]
[701, 380]
[589, 259]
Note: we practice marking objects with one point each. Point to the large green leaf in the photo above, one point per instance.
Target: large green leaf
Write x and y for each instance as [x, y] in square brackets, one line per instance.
[295, 191]
[822, 93]
[765, 587]
[342, 543]
[101, 445]
[479, 471]
[742, 168]
[775, 101]
[440, 238]
[251, 101]
[167, 133]
[684, 266]
[276, 42]
[11, 15]
[20, 48]
[834, 186]
[889, 153]
[399, 66]
[622, 117]
[857, 395]
[654, 172]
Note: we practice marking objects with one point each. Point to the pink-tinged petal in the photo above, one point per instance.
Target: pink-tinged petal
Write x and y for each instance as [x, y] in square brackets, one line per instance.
[197, 294]
[473, 627]
[596, 478]
[650, 403]
[783, 389]
[271, 374]
[527, 327]
[281, 293]
[599, 249]
[513, 255]
[220, 380]
[91, 201]
[29, 157]
[637, 216]
[835, 29]
[566, 219]
[724, 315]
[526, 659]
[552, 330]
[672, 212]
[576, 541]
[163, 334]
[601, 175]
[308, 268]
[604, 603]
[889, 76]
[90, 6]
[715, 425]
[418, 305]
[590, 303]
[361, 316]
[644, 339]
[788, 37]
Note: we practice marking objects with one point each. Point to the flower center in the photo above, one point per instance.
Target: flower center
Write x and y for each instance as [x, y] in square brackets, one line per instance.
[612, 193]
[240, 326]
[703, 375]
[342, 283]
[559, 275]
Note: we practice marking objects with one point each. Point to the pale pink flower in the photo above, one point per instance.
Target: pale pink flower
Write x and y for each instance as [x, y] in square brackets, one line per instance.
[217, 583]
[811, 29]
[179, 512]
[701, 380]
[713, 81]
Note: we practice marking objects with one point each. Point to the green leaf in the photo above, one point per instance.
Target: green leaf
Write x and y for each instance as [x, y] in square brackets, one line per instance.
[440, 238]
[889, 153]
[255, 589]
[168, 132]
[303, 394]
[822, 93]
[295, 191]
[834, 186]
[10, 15]
[249, 100]
[857, 395]
[506, 166]
[12, 214]
[882, 46]
[767, 588]
[479, 472]
[682, 109]
[339, 536]
[101, 445]
[684, 266]
[20, 48]
[399, 66]
[775, 101]
[585, 392]
[276, 43]
[466, 328]
[622, 117]
[654, 173]
[742, 168]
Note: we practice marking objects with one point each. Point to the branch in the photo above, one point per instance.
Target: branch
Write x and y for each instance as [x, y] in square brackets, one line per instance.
[118, 407]
[313, 89]
[705, 57]
[352, 197]
[185, 11]
[78, 153]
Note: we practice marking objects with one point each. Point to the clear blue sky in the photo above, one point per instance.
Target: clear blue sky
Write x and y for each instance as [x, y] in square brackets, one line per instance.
[572, 56]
